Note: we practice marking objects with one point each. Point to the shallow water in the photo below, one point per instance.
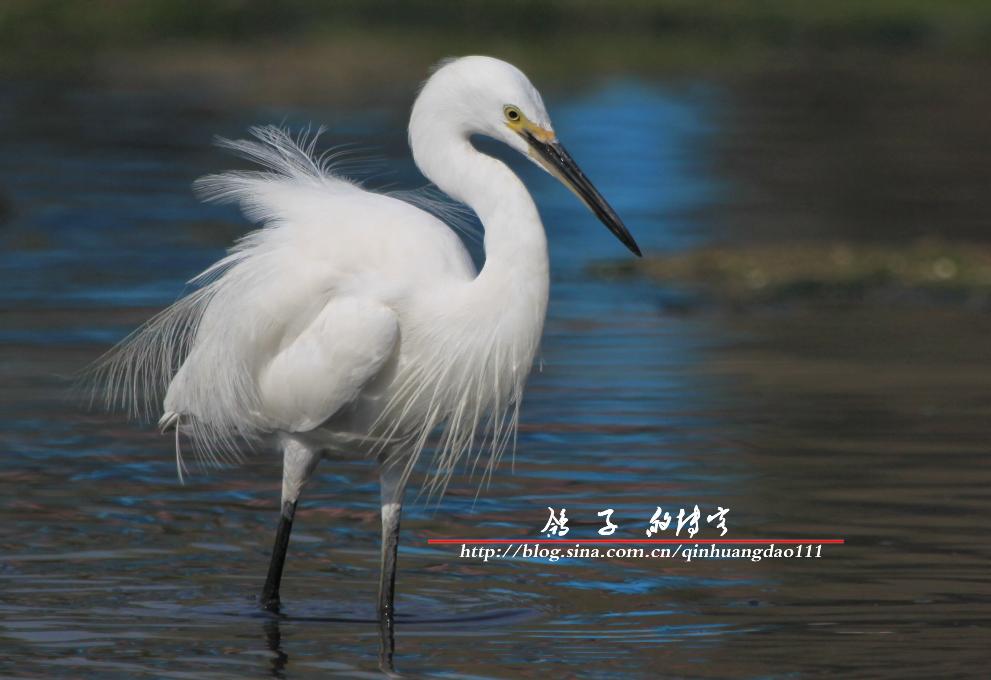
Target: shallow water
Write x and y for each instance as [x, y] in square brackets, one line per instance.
[864, 424]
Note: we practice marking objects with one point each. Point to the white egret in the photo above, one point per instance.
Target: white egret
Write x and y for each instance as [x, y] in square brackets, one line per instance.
[355, 322]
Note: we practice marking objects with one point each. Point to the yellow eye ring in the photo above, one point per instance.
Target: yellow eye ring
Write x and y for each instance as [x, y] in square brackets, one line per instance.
[513, 114]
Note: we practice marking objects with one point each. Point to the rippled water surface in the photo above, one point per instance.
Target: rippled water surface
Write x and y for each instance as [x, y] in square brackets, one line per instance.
[863, 424]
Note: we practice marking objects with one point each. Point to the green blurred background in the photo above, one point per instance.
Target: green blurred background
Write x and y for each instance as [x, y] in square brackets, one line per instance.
[560, 37]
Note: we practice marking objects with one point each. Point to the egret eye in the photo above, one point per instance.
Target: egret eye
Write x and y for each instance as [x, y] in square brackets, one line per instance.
[513, 114]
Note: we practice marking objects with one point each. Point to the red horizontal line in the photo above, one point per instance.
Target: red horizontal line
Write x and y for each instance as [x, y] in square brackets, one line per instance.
[653, 541]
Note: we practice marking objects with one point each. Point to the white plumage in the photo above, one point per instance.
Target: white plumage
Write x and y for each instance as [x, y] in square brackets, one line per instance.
[354, 321]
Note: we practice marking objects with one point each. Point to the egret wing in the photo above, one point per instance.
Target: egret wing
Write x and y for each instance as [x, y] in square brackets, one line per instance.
[325, 367]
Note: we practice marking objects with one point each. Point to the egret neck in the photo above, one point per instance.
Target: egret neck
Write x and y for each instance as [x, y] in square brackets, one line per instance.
[515, 242]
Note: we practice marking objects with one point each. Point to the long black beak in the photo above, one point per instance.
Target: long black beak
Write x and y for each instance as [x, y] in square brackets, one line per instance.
[559, 163]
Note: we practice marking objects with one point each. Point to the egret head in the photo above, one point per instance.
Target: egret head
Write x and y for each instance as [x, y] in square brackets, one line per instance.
[482, 95]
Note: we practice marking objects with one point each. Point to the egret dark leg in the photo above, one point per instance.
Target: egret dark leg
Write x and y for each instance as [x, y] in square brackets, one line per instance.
[298, 464]
[270, 592]
[393, 484]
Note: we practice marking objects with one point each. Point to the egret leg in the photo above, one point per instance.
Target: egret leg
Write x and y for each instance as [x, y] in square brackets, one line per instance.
[298, 463]
[270, 592]
[393, 484]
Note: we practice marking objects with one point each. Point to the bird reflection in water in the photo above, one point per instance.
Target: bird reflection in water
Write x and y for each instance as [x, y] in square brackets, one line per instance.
[279, 659]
